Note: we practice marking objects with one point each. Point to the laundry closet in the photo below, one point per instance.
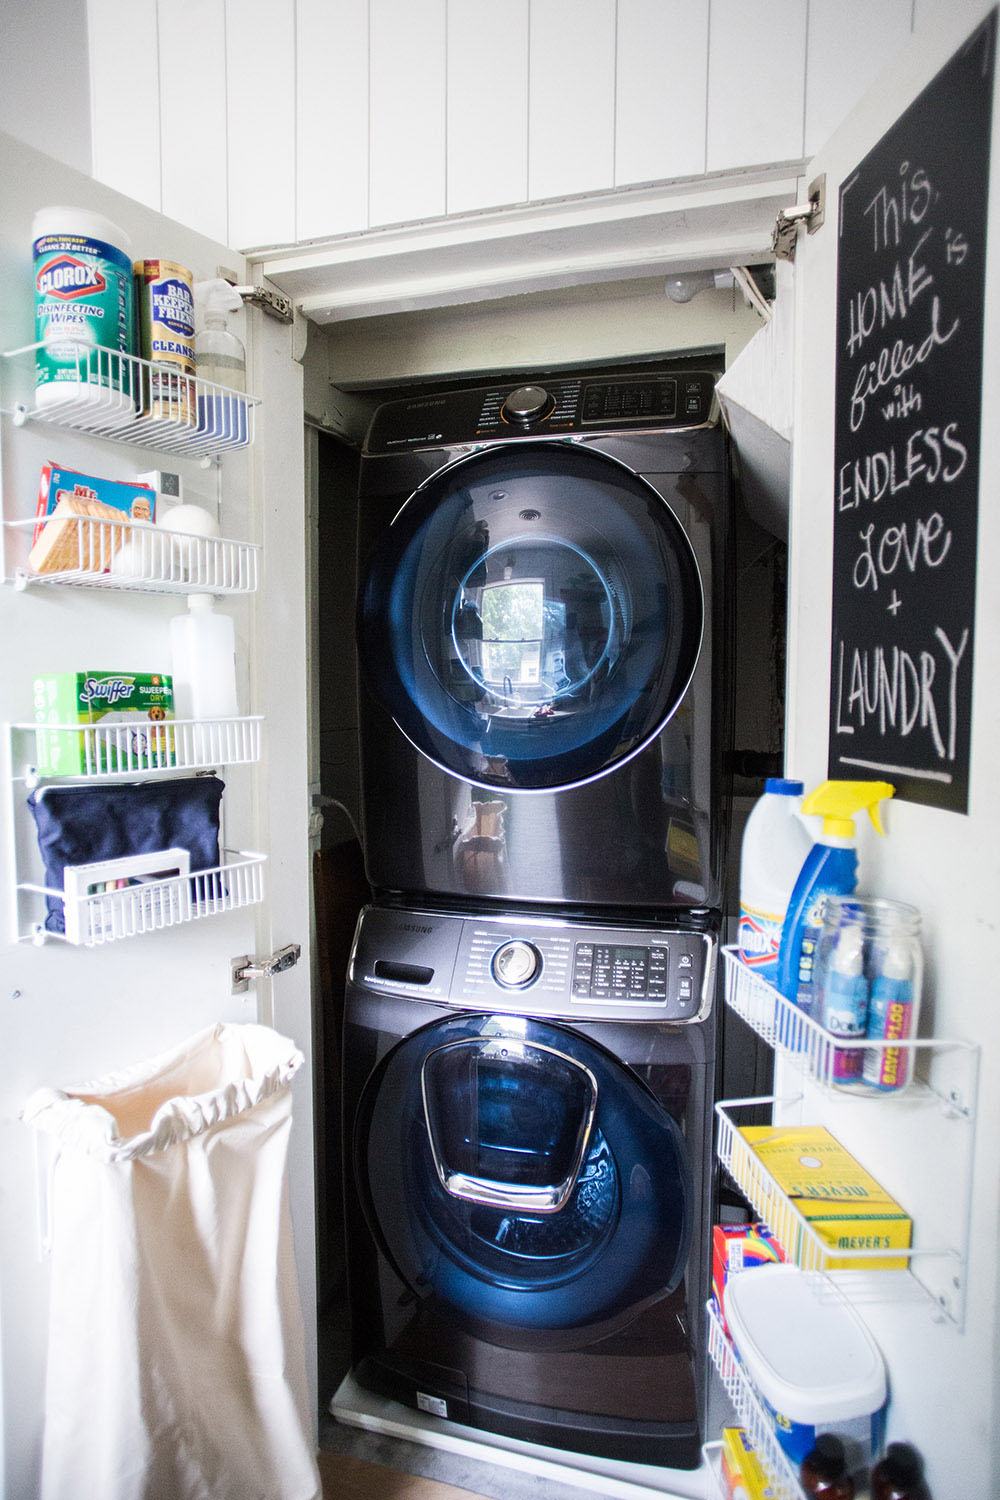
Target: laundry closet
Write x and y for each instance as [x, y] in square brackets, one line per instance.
[451, 335]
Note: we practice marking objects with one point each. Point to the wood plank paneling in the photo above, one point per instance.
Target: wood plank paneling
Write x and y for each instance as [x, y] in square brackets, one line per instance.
[407, 110]
[849, 43]
[487, 104]
[662, 89]
[260, 94]
[571, 97]
[756, 83]
[125, 96]
[331, 126]
[193, 138]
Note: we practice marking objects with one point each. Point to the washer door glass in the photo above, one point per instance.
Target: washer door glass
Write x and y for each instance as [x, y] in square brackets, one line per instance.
[519, 1173]
[532, 617]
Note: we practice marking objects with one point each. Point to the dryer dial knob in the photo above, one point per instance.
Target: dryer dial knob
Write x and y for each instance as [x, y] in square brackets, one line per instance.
[527, 404]
[516, 964]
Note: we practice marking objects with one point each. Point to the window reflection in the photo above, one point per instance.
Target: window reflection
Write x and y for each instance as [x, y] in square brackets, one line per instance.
[512, 633]
[531, 623]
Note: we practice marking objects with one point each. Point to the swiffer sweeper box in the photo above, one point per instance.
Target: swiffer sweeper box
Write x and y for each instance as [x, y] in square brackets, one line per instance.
[128, 711]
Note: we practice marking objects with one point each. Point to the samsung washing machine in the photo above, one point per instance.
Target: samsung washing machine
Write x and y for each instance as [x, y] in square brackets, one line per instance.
[541, 635]
[527, 1109]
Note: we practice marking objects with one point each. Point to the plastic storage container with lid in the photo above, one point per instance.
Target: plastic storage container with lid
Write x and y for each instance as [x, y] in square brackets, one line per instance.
[810, 1359]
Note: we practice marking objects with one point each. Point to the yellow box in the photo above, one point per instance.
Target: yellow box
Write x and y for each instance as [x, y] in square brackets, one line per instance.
[842, 1203]
[743, 1474]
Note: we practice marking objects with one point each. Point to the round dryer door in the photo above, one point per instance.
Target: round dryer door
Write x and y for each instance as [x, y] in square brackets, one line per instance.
[532, 617]
[518, 1173]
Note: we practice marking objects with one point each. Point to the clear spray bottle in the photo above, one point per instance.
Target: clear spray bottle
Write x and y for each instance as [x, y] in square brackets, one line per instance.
[220, 360]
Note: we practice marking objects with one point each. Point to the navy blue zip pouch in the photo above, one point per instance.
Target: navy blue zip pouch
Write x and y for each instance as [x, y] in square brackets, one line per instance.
[77, 825]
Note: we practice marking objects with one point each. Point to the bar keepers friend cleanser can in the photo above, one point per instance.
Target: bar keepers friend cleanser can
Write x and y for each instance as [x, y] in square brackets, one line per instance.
[164, 295]
[83, 313]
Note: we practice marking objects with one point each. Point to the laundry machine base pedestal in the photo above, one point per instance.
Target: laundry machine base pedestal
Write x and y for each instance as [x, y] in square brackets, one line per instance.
[354, 1407]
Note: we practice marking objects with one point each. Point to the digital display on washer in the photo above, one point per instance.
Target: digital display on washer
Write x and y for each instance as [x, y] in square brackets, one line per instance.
[619, 971]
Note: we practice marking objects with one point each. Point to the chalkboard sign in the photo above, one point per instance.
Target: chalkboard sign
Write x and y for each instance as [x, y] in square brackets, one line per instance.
[910, 272]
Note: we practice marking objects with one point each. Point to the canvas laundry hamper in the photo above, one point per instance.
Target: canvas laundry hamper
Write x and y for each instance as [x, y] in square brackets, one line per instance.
[176, 1366]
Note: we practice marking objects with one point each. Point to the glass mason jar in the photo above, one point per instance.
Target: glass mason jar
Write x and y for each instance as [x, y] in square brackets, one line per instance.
[867, 980]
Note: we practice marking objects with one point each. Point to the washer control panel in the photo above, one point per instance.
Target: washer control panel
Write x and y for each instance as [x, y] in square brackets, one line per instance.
[581, 404]
[542, 966]
[516, 964]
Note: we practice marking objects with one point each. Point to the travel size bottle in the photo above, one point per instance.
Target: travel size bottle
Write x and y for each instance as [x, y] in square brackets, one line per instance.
[824, 1470]
[899, 1475]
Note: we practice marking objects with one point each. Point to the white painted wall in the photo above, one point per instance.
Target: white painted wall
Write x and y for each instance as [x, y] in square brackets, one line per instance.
[274, 122]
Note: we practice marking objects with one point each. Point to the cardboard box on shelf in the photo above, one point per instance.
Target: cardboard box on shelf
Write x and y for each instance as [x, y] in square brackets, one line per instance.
[743, 1475]
[842, 1203]
[739, 1247]
[135, 707]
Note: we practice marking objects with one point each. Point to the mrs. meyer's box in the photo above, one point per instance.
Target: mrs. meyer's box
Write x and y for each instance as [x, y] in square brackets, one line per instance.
[126, 711]
[842, 1203]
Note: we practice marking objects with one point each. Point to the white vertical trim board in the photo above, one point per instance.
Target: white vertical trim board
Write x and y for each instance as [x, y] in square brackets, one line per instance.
[756, 82]
[487, 104]
[125, 96]
[661, 97]
[571, 119]
[849, 43]
[407, 110]
[260, 100]
[193, 137]
[331, 122]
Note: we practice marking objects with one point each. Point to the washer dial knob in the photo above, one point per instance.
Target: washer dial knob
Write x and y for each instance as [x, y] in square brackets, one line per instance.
[527, 404]
[516, 964]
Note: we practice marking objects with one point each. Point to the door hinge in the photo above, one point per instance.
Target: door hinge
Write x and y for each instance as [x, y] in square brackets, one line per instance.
[811, 214]
[275, 304]
[243, 969]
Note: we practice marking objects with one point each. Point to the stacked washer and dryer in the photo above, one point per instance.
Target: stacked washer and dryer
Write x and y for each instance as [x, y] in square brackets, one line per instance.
[530, 1026]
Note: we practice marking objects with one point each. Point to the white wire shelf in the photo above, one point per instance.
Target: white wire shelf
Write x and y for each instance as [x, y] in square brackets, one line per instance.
[752, 1416]
[151, 904]
[132, 400]
[819, 1055]
[923, 1270]
[136, 749]
[97, 552]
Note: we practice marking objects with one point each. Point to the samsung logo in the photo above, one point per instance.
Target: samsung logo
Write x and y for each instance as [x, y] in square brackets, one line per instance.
[415, 927]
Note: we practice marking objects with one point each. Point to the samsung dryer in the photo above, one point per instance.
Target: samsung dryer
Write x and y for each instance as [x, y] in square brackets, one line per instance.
[541, 632]
[527, 1127]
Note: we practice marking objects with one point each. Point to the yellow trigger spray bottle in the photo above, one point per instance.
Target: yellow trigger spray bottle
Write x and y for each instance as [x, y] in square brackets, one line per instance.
[830, 869]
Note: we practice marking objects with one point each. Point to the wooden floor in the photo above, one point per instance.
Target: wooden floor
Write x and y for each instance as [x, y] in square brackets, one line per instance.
[348, 1478]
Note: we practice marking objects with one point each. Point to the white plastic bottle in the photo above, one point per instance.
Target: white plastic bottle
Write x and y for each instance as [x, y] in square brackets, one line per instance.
[775, 843]
[203, 652]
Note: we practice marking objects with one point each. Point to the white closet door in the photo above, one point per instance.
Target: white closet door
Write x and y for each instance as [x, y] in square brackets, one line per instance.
[662, 89]
[407, 110]
[850, 42]
[260, 94]
[331, 126]
[756, 83]
[124, 65]
[487, 105]
[193, 146]
[571, 97]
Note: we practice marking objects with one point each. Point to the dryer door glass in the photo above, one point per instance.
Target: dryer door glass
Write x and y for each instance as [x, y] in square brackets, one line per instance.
[518, 1172]
[532, 617]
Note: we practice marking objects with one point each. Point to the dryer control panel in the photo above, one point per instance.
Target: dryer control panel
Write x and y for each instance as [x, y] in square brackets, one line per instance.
[679, 398]
[537, 966]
